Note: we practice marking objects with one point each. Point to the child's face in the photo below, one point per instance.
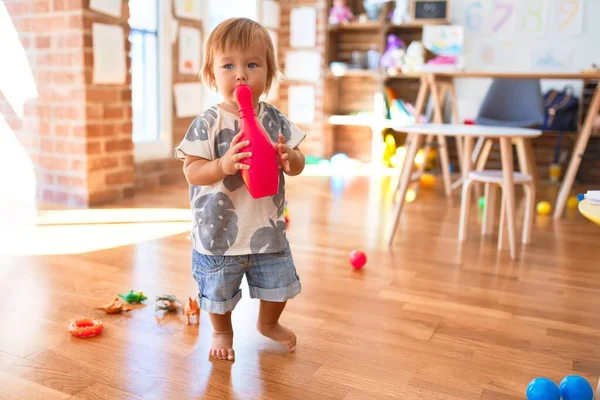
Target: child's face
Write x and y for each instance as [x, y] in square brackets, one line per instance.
[237, 66]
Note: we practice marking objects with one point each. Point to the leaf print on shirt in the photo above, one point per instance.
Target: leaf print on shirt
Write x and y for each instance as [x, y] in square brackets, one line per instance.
[223, 139]
[194, 192]
[274, 123]
[279, 198]
[222, 144]
[217, 222]
[268, 237]
[202, 125]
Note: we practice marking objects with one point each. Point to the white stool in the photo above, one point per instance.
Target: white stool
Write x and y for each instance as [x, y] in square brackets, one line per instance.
[493, 179]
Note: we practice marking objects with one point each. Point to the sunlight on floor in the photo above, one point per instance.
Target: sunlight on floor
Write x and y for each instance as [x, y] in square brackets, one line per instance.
[80, 231]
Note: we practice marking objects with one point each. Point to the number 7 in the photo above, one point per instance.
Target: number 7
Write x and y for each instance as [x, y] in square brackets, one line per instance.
[508, 11]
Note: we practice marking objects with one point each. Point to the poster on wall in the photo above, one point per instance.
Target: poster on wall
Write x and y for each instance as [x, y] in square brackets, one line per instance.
[444, 40]
[109, 54]
[190, 9]
[189, 50]
[569, 17]
[188, 99]
[270, 14]
[303, 27]
[109, 7]
[301, 103]
[303, 65]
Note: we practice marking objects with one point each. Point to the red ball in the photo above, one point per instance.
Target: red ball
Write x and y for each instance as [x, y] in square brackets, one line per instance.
[358, 259]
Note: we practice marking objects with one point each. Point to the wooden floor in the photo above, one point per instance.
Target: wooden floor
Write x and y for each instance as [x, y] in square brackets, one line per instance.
[427, 319]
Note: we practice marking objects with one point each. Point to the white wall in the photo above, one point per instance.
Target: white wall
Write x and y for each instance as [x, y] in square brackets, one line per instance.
[529, 40]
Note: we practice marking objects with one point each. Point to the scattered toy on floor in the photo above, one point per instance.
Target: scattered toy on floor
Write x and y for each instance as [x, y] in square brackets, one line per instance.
[192, 309]
[114, 307]
[132, 297]
[85, 328]
[358, 259]
[168, 303]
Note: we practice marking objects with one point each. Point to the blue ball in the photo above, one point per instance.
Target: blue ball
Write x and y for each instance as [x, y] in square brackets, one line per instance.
[574, 387]
[542, 389]
[580, 196]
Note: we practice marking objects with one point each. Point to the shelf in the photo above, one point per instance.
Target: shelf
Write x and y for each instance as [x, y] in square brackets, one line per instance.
[357, 120]
[413, 25]
[363, 73]
[357, 26]
[356, 73]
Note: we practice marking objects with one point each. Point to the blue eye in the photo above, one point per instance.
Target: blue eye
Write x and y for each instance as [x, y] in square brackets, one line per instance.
[228, 66]
[252, 65]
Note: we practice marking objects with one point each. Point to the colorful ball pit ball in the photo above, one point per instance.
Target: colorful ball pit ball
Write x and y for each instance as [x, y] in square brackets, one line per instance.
[543, 208]
[575, 387]
[358, 259]
[542, 389]
[572, 202]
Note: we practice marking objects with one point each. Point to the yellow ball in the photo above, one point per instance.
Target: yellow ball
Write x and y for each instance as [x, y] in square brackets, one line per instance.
[572, 202]
[427, 180]
[544, 208]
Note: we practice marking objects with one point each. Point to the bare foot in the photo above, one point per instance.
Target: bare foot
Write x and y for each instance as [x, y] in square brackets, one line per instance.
[279, 334]
[221, 347]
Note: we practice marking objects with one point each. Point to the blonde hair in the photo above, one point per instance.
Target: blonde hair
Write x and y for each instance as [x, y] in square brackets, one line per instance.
[240, 33]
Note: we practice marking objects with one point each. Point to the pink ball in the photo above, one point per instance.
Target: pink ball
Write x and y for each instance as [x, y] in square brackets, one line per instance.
[358, 259]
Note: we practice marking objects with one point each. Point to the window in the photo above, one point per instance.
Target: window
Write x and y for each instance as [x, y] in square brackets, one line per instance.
[150, 78]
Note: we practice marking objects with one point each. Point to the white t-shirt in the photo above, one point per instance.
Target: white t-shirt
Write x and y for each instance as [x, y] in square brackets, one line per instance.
[226, 219]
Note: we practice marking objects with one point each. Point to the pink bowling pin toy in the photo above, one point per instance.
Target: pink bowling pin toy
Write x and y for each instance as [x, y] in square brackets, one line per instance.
[262, 179]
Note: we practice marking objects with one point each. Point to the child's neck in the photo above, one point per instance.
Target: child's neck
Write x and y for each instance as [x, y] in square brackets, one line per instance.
[233, 108]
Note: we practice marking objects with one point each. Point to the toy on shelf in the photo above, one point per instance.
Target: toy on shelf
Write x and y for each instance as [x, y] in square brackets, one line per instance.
[414, 57]
[262, 179]
[85, 328]
[401, 14]
[133, 297]
[192, 309]
[393, 57]
[114, 307]
[168, 303]
[340, 13]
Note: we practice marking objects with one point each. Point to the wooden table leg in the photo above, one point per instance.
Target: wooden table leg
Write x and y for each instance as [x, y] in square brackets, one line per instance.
[508, 192]
[578, 150]
[455, 119]
[443, 149]
[415, 142]
[422, 96]
[466, 190]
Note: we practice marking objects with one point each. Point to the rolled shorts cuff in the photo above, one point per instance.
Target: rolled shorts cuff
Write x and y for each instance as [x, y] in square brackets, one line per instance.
[277, 294]
[219, 307]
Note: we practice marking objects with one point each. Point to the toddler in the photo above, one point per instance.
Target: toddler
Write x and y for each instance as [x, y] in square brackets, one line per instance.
[233, 234]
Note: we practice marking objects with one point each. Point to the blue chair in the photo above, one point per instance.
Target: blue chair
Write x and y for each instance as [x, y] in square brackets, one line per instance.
[514, 103]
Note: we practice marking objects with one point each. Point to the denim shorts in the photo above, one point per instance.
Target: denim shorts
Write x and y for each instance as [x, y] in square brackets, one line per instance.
[270, 276]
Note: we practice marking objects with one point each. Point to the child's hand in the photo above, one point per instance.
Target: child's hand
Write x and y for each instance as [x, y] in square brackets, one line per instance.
[230, 162]
[284, 153]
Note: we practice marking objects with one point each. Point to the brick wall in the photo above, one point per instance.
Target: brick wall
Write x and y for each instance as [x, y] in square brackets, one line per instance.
[77, 134]
[319, 140]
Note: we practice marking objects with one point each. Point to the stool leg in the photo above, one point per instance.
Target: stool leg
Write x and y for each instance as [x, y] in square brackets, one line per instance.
[487, 224]
[529, 210]
[464, 209]
[508, 190]
[445, 164]
[482, 160]
[501, 224]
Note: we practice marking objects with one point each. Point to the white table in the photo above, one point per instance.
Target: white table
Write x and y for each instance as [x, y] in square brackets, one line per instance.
[506, 135]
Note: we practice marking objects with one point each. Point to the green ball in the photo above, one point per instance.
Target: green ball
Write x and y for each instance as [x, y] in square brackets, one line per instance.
[481, 202]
